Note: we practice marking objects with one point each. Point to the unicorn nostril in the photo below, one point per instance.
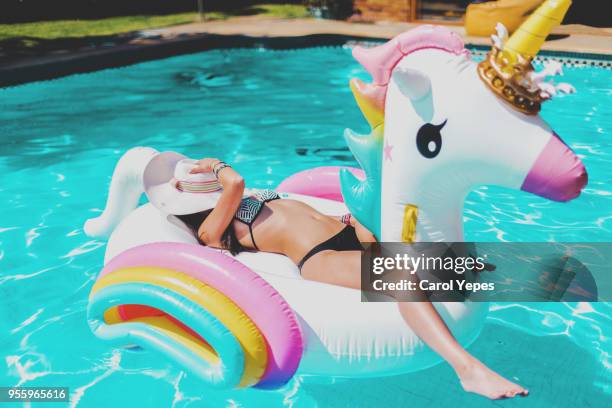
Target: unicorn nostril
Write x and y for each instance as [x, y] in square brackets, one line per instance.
[557, 174]
[584, 177]
[581, 181]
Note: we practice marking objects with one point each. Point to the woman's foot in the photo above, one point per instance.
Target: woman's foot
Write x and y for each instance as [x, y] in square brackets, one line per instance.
[477, 378]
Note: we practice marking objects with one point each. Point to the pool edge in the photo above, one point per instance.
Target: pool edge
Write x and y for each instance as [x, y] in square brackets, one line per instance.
[51, 67]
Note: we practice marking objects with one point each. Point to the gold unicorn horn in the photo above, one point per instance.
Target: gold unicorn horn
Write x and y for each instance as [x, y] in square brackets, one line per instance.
[530, 36]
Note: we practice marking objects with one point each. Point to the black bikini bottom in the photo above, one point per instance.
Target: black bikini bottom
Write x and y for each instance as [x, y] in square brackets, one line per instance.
[345, 240]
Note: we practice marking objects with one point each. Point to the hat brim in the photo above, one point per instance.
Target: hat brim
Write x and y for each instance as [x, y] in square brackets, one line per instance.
[157, 180]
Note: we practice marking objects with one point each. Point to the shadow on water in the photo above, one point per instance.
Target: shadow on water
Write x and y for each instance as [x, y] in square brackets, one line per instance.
[531, 361]
[342, 154]
[203, 80]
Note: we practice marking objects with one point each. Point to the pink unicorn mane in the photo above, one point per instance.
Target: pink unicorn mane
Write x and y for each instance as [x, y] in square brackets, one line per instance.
[381, 60]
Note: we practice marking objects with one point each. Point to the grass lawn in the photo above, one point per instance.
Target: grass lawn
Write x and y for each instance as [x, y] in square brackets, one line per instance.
[50, 30]
[280, 10]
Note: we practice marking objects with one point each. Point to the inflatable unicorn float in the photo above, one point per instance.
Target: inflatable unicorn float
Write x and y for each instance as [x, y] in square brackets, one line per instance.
[441, 125]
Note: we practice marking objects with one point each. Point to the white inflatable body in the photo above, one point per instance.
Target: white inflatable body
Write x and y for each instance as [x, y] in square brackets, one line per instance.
[343, 336]
[426, 151]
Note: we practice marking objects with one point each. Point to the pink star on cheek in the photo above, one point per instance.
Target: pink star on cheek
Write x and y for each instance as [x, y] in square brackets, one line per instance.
[387, 151]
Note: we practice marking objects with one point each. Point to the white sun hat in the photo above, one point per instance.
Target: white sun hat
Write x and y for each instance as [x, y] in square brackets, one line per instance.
[171, 187]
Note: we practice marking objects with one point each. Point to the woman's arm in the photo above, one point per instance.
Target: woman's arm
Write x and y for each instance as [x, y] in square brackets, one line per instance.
[364, 234]
[213, 227]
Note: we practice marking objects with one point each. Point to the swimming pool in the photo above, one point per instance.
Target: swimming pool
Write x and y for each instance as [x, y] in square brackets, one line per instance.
[271, 114]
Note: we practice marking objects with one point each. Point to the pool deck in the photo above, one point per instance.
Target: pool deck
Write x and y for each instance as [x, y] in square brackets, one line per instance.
[242, 31]
[582, 39]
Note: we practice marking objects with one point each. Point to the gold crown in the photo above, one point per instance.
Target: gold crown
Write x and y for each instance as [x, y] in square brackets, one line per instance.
[511, 81]
[507, 69]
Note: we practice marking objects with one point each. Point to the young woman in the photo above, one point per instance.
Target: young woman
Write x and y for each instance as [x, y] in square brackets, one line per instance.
[326, 249]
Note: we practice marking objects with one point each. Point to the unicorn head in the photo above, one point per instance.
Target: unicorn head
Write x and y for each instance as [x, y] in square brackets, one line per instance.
[440, 128]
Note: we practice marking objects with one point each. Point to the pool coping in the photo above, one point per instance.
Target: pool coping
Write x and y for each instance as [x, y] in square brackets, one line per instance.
[56, 66]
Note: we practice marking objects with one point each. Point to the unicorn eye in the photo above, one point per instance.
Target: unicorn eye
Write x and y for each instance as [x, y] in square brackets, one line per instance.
[429, 140]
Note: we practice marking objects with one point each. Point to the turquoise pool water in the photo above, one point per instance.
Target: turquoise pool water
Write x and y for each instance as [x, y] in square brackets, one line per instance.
[270, 114]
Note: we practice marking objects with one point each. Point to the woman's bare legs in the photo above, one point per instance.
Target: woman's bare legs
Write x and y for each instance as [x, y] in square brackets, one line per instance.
[344, 269]
[475, 377]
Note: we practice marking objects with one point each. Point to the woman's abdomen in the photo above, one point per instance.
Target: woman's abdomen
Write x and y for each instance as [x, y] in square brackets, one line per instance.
[294, 228]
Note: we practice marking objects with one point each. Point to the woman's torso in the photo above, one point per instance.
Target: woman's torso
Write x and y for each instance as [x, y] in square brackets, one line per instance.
[288, 227]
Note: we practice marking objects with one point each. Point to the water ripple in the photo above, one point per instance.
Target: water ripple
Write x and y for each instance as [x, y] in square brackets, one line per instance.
[83, 249]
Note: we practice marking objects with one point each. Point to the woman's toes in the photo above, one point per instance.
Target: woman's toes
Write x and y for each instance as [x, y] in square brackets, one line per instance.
[519, 391]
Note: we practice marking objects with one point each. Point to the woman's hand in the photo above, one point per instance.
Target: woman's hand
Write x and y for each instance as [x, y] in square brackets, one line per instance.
[205, 165]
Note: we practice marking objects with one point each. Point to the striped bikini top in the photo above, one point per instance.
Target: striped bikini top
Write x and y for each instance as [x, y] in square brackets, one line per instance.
[251, 206]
